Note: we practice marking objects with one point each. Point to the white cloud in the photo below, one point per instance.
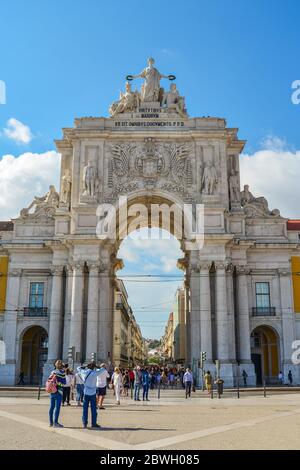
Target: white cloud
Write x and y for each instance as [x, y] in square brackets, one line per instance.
[274, 173]
[18, 131]
[23, 177]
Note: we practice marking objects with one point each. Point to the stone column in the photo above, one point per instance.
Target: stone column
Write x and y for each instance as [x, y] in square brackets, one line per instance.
[105, 314]
[77, 307]
[205, 311]
[55, 316]
[67, 307]
[244, 332]
[288, 323]
[8, 371]
[222, 325]
[221, 312]
[244, 353]
[194, 318]
[93, 311]
[231, 312]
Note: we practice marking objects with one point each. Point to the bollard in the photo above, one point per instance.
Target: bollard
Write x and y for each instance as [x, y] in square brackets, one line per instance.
[158, 391]
[131, 389]
[238, 388]
[265, 391]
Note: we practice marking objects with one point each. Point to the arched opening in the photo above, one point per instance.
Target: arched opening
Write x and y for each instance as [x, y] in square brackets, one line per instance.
[34, 351]
[148, 279]
[265, 354]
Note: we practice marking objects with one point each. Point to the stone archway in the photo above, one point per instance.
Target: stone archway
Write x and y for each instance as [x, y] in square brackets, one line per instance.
[34, 351]
[265, 354]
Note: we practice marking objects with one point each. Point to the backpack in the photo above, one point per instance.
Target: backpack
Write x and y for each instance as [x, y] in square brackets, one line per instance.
[51, 384]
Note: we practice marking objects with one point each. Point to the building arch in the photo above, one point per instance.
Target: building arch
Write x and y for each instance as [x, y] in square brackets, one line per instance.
[33, 353]
[265, 353]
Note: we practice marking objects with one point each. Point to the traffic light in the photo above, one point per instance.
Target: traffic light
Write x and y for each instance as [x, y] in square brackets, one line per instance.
[94, 357]
[203, 356]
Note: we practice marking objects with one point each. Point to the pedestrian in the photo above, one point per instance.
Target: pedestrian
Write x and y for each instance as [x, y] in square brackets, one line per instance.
[117, 384]
[158, 379]
[89, 376]
[208, 382]
[102, 386]
[281, 378]
[137, 383]
[78, 381]
[245, 376]
[171, 378]
[126, 383]
[188, 381]
[290, 377]
[219, 382]
[67, 387]
[145, 383]
[21, 378]
[58, 377]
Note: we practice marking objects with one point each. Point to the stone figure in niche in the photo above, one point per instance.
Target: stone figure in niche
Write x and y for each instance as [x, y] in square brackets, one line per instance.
[209, 179]
[128, 101]
[172, 100]
[234, 186]
[66, 188]
[150, 90]
[90, 180]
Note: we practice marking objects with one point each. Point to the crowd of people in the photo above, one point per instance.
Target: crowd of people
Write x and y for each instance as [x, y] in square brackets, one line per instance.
[88, 386]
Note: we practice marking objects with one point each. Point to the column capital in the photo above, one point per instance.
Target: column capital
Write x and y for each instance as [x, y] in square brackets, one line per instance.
[284, 272]
[57, 270]
[204, 265]
[194, 268]
[15, 272]
[242, 270]
[76, 266]
[229, 268]
[221, 265]
[93, 265]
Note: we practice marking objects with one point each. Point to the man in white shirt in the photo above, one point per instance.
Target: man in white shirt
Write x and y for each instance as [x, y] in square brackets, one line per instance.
[89, 376]
[102, 386]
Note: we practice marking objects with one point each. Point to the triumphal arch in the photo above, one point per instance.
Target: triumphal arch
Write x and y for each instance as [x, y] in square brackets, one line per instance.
[149, 150]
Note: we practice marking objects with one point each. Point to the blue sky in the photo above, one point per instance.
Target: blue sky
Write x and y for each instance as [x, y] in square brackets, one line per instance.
[67, 58]
[62, 59]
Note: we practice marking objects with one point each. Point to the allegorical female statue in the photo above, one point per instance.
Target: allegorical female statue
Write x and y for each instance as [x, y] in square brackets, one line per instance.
[151, 86]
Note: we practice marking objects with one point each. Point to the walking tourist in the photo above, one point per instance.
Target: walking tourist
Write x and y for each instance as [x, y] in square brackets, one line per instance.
[137, 383]
[117, 383]
[102, 386]
[290, 377]
[21, 378]
[208, 382]
[89, 376]
[126, 383]
[67, 387]
[188, 381]
[220, 383]
[245, 376]
[146, 384]
[281, 378]
[78, 381]
[57, 380]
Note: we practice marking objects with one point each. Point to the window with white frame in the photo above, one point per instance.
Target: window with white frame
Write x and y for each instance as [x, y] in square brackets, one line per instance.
[36, 295]
[262, 293]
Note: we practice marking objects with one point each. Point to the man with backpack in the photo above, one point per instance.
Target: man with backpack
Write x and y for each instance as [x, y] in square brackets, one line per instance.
[89, 375]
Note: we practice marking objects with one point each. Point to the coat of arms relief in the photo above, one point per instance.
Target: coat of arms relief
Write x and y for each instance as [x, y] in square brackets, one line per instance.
[149, 165]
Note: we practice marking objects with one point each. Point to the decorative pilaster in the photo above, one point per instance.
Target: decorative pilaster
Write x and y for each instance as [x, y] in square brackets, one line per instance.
[221, 312]
[194, 316]
[67, 307]
[105, 313]
[205, 310]
[244, 353]
[77, 306]
[55, 315]
[93, 311]
[287, 316]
